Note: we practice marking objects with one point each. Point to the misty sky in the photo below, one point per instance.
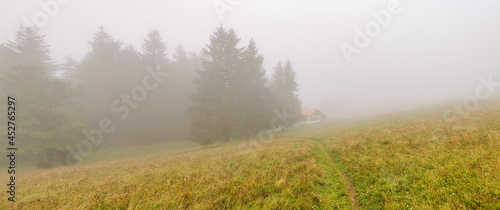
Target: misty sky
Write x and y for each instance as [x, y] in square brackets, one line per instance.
[433, 50]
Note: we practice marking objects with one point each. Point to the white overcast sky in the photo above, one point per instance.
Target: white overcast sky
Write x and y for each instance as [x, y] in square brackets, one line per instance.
[433, 50]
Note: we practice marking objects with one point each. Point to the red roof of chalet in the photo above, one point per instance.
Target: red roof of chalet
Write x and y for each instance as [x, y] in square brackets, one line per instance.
[307, 111]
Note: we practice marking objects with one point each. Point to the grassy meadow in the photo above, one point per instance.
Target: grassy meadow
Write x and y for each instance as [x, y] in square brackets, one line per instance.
[418, 161]
[411, 160]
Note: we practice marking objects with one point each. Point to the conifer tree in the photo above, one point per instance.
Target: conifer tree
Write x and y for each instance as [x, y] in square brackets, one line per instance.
[131, 70]
[254, 99]
[285, 89]
[181, 58]
[100, 66]
[154, 51]
[99, 76]
[48, 118]
[30, 48]
[231, 100]
[68, 70]
[292, 89]
[213, 112]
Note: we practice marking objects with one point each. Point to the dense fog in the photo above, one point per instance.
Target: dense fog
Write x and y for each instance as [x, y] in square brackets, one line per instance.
[430, 51]
[348, 58]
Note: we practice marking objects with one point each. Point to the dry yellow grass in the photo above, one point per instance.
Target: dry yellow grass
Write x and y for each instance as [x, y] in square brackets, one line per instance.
[281, 174]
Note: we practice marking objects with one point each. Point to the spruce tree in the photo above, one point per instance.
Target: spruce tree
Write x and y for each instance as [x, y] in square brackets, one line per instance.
[213, 112]
[30, 48]
[292, 89]
[68, 70]
[47, 119]
[154, 51]
[99, 77]
[100, 67]
[105, 49]
[232, 100]
[285, 89]
[131, 70]
[278, 87]
[181, 58]
[254, 99]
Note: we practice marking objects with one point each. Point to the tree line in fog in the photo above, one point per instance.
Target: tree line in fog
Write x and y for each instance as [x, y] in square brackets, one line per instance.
[217, 94]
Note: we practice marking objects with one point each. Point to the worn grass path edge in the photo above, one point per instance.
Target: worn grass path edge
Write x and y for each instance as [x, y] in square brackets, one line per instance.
[339, 168]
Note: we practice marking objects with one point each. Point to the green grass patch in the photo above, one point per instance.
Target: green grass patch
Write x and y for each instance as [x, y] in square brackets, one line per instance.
[333, 184]
[418, 161]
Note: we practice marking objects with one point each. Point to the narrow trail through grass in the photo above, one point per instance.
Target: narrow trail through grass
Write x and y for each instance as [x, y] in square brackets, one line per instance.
[352, 192]
[347, 180]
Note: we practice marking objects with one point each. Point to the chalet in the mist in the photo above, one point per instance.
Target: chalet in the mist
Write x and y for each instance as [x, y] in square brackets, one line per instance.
[310, 116]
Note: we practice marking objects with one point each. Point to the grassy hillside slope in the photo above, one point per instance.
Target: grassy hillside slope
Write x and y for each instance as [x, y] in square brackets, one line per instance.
[284, 173]
[400, 161]
[419, 160]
